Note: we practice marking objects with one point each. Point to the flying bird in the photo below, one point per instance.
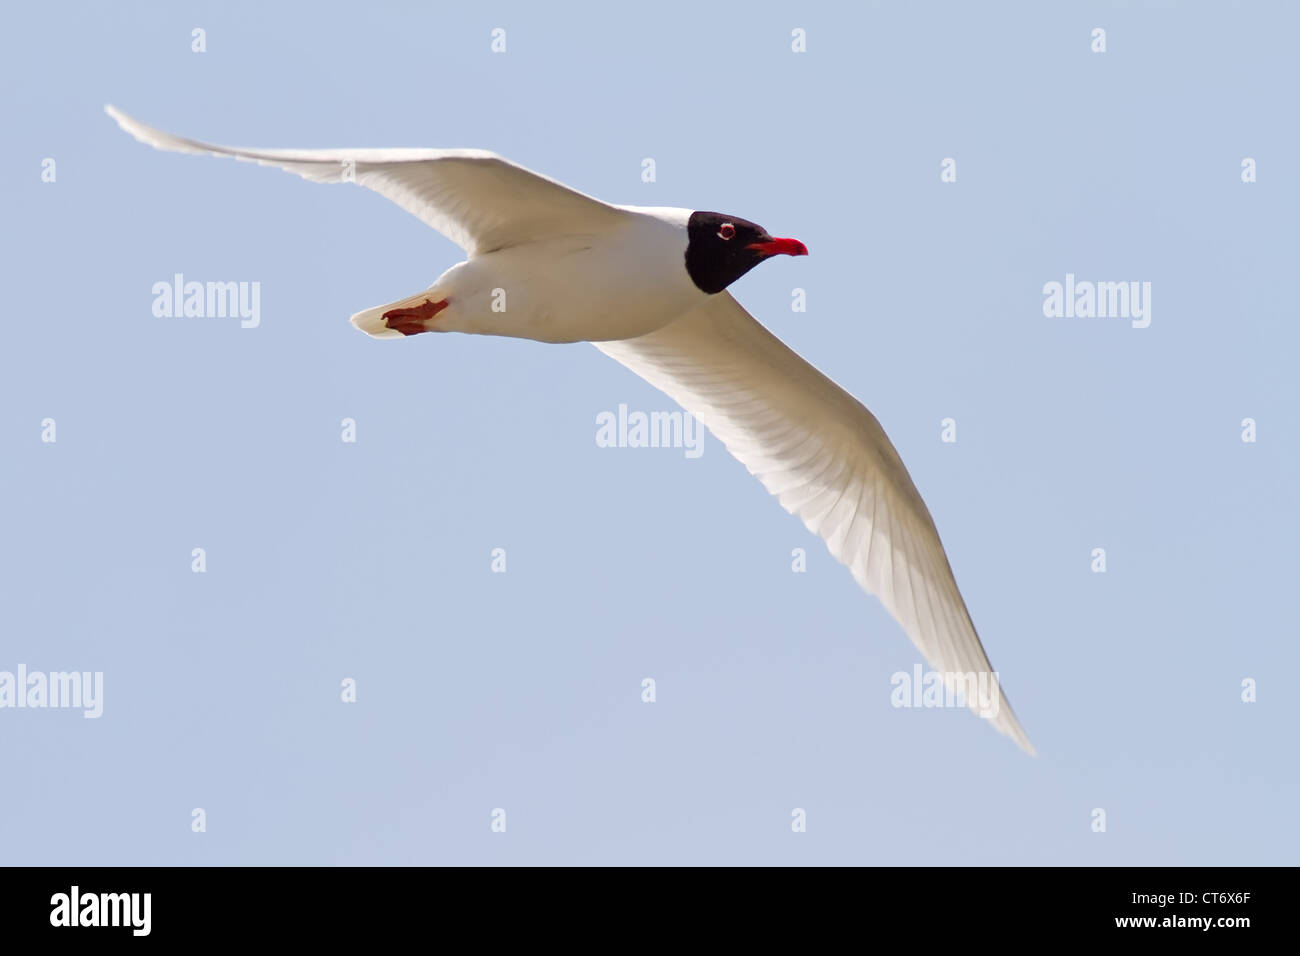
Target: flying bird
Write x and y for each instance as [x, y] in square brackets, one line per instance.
[648, 287]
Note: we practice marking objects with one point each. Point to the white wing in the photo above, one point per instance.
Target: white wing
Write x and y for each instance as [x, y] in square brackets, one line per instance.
[475, 198]
[814, 445]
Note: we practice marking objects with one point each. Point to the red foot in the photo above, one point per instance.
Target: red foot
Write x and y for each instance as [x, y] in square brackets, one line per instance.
[411, 321]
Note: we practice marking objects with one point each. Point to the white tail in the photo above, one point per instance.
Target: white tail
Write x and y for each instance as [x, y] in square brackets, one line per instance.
[371, 321]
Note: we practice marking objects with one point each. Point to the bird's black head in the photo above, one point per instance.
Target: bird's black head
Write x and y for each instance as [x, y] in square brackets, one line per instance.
[720, 249]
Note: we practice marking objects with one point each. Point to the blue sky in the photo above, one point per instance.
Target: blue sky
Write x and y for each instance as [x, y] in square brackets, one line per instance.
[521, 690]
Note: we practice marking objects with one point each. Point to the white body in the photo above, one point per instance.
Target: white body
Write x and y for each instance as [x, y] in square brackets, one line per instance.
[617, 284]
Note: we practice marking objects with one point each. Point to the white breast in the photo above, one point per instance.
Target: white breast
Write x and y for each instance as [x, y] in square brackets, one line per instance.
[613, 284]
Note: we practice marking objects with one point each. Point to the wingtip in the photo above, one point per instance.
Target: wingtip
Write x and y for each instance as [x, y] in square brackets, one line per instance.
[123, 121]
[1017, 733]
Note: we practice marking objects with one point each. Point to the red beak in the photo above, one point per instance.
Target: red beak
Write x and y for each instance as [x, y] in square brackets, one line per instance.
[780, 247]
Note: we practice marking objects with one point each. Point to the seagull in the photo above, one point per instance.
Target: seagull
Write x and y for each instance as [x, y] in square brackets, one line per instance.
[648, 287]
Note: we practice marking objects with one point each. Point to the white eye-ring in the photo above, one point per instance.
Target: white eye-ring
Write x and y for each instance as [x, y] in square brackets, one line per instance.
[727, 231]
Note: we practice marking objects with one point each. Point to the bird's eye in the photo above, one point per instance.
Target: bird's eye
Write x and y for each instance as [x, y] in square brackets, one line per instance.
[727, 231]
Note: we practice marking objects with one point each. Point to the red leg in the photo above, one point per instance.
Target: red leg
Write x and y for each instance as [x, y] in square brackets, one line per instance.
[411, 321]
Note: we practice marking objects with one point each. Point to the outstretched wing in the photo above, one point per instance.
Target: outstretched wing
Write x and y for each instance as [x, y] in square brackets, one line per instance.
[475, 198]
[816, 447]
